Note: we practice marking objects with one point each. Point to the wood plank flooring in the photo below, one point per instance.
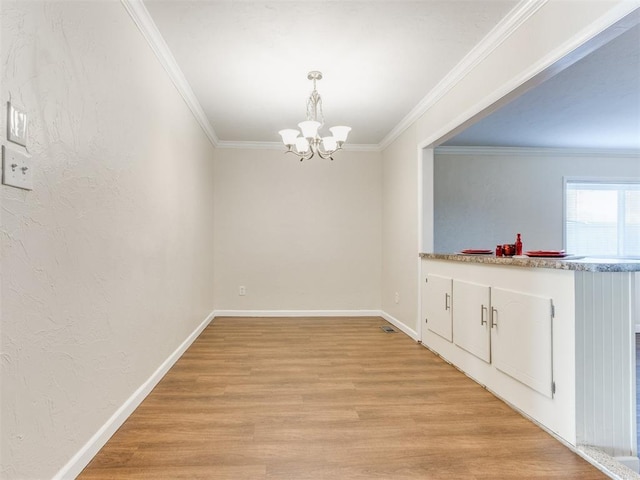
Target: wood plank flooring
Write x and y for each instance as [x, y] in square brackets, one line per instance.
[325, 398]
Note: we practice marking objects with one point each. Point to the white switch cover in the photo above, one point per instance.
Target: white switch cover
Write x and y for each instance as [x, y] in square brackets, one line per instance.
[16, 125]
[16, 169]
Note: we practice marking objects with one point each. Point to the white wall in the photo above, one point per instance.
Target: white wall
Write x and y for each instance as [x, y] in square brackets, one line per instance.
[400, 261]
[107, 264]
[476, 208]
[297, 235]
[553, 31]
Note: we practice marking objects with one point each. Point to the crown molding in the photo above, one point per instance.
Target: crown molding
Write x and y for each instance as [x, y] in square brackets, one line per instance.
[539, 151]
[141, 17]
[510, 23]
[362, 147]
[148, 28]
[278, 146]
[249, 145]
[571, 47]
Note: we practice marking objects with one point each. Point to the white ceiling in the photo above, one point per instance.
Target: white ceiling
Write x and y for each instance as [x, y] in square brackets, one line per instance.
[247, 61]
[595, 103]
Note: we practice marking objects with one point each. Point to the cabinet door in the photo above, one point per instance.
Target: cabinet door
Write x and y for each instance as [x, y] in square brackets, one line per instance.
[436, 305]
[521, 338]
[471, 318]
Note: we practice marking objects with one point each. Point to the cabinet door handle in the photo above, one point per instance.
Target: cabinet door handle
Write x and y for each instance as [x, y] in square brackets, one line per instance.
[446, 301]
[482, 319]
[494, 317]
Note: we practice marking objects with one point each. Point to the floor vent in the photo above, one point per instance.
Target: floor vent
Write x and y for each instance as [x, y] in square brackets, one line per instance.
[388, 329]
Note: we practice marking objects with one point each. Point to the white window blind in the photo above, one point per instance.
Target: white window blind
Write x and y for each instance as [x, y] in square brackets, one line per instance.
[602, 218]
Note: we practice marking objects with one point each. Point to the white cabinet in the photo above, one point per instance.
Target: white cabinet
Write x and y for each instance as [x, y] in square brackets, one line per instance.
[521, 338]
[471, 326]
[511, 330]
[528, 358]
[436, 306]
[555, 331]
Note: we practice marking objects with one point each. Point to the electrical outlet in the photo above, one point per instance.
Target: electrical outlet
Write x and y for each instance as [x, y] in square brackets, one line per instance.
[396, 298]
[17, 170]
[242, 290]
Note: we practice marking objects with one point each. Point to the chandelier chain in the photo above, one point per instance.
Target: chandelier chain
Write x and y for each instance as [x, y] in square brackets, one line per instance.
[314, 107]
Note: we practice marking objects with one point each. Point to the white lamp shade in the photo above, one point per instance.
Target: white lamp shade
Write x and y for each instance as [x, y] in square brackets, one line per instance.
[289, 136]
[302, 145]
[329, 144]
[340, 133]
[309, 128]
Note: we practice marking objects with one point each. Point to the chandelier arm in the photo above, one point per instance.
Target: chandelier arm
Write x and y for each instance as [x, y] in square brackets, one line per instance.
[325, 155]
[328, 153]
[301, 155]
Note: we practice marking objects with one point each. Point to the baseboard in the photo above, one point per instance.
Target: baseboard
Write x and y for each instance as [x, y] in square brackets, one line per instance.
[398, 324]
[319, 313]
[297, 313]
[630, 462]
[81, 459]
[618, 468]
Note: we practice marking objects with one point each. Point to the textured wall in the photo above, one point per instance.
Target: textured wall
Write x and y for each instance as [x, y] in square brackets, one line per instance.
[298, 235]
[484, 199]
[107, 264]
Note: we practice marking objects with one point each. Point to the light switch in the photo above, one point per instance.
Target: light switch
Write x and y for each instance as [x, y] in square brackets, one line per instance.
[16, 125]
[16, 169]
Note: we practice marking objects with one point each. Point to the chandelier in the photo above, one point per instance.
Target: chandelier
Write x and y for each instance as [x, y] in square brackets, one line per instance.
[311, 143]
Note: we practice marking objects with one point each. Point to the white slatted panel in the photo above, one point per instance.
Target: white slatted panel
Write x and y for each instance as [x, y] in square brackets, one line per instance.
[605, 356]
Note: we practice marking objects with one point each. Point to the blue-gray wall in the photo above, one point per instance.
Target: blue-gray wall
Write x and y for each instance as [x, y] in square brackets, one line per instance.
[483, 197]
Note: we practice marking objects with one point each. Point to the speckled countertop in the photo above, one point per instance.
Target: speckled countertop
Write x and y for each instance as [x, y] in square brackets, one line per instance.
[583, 264]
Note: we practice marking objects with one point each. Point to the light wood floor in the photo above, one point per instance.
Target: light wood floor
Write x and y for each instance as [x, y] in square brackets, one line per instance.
[325, 398]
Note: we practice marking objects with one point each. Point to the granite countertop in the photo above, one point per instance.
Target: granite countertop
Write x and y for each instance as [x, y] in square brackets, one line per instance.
[583, 264]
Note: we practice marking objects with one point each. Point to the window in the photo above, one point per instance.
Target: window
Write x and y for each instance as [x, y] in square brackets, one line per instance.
[602, 218]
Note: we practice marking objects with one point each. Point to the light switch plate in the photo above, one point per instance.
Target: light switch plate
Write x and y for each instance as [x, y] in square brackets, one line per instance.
[16, 169]
[16, 125]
